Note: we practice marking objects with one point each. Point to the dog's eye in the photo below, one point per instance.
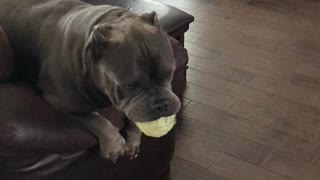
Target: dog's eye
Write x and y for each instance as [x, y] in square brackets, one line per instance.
[134, 85]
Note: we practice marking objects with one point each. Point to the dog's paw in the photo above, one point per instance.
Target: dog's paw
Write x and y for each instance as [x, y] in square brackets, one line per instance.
[112, 148]
[132, 147]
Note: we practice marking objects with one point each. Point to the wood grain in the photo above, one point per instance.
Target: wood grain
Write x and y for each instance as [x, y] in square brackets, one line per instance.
[295, 127]
[291, 167]
[195, 152]
[184, 170]
[255, 132]
[256, 61]
[234, 168]
[311, 69]
[202, 52]
[276, 103]
[254, 86]
[190, 36]
[316, 160]
[306, 81]
[223, 141]
[220, 70]
[185, 102]
[292, 91]
[210, 98]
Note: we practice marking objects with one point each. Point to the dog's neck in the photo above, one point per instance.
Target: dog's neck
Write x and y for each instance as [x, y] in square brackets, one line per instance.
[74, 29]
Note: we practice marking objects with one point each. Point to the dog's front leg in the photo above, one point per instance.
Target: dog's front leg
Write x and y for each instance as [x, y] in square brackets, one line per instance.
[110, 140]
[133, 140]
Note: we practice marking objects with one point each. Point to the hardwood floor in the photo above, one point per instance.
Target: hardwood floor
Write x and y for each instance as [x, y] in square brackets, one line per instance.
[252, 105]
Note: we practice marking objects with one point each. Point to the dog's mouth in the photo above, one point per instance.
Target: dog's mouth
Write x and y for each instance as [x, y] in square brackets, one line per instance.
[144, 111]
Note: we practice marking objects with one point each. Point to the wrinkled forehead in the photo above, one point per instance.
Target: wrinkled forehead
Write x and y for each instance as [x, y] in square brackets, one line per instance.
[141, 56]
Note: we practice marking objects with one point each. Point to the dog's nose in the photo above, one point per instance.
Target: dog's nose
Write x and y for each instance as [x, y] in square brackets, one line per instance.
[161, 109]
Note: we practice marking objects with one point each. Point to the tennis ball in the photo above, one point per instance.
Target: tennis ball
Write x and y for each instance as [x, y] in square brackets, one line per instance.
[157, 128]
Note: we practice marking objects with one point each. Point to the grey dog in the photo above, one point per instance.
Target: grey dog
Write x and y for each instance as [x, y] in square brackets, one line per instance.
[91, 57]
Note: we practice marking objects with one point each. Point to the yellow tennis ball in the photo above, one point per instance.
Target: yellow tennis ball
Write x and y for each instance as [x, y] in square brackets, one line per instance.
[157, 128]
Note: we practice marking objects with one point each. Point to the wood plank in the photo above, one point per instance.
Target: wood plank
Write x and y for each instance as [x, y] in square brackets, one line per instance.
[253, 39]
[309, 44]
[184, 170]
[252, 131]
[223, 141]
[283, 142]
[243, 45]
[195, 152]
[189, 36]
[257, 65]
[291, 91]
[185, 102]
[216, 118]
[278, 104]
[306, 81]
[291, 167]
[210, 98]
[220, 70]
[290, 8]
[255, 61]
[237, 169]
[316, 160]
[295, 127]
[311, 69]
[272, 6]
[202, 52]
[271, 19]
[191, 6]
[262, 25]
[204, 2]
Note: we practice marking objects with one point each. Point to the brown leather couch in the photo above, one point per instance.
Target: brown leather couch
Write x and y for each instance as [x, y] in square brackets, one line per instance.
[38, 142]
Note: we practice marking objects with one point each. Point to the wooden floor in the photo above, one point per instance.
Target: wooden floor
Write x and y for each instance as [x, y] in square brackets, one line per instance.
[252, 106]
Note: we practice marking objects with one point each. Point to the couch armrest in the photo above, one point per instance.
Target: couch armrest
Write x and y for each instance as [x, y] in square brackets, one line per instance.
[28, 123]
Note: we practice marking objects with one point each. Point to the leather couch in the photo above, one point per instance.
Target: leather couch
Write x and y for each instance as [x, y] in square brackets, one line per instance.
[38, 142]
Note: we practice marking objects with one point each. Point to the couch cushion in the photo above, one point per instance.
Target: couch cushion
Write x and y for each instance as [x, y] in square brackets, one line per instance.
[171, 19]
[6, 62]
[28, 123]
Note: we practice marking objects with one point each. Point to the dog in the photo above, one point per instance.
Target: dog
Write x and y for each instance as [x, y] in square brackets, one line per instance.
[91, 57]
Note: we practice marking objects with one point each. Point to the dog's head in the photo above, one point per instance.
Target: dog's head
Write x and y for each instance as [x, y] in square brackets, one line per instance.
[132, 63]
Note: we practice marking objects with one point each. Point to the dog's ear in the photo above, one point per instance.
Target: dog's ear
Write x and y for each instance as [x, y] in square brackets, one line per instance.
[99, 41]
[95, 46]
[151, 18]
